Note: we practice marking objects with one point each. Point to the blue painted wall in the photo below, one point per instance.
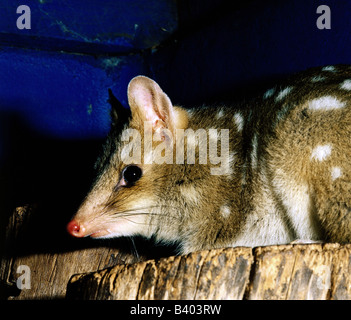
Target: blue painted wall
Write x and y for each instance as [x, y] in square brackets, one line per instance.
[56, 74]
[63, 95]
[54, 77]
[90, 26]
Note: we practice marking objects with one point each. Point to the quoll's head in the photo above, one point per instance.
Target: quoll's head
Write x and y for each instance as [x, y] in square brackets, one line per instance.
[127, 196]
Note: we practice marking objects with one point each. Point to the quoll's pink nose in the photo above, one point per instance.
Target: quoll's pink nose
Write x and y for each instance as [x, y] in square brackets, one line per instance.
[75, 229]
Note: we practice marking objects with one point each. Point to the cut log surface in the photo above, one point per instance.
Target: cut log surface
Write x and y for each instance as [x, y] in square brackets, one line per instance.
[284, 272]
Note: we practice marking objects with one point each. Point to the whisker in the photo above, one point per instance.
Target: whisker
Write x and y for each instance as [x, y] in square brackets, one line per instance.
[134, 221]
[136, 211]
[150, 207]
[125, 215]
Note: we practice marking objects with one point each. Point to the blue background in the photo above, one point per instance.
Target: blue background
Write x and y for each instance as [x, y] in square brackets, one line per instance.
[55, 77]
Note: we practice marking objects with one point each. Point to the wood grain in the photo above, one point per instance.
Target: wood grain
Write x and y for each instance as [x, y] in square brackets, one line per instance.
[215, 274]
[286, 272]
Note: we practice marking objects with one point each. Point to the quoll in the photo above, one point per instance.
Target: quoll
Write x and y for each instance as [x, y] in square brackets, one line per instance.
[283, 164]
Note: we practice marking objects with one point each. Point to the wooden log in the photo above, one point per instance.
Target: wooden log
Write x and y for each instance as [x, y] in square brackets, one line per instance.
[293, 272]
[215, 274]
[286, 272]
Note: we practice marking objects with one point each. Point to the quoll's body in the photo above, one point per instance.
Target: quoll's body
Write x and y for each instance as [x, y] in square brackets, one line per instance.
[288, 178]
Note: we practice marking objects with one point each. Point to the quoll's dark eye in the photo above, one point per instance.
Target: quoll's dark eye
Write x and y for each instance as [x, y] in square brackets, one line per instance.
[131, 174]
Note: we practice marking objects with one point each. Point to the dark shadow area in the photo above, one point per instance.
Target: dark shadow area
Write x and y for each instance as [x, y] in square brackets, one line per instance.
[198, 14]
[52, 174]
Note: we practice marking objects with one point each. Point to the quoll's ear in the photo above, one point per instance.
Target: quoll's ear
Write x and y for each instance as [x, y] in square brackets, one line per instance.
[119, 114]
[149, 103]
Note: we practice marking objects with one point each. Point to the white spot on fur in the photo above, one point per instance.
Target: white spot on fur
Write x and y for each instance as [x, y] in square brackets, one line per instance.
[346, 85]
[317, 79]
[225, 211]
[282, 94]
[239, 121]
[335, 173]
[190, 112]
[329, 68]
[269, 93]
[320, 153]
[220, 114]
[326, 103]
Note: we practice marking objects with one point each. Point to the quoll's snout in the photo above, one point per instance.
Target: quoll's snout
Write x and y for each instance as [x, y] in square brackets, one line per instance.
[75, 229]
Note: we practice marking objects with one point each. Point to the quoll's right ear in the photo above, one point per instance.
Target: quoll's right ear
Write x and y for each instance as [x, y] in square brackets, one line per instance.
[149, 103]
